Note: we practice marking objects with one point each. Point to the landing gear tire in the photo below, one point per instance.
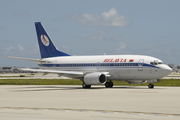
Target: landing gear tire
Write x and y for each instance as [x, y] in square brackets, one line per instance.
[86, 86]
[109, 84]
[150, 86]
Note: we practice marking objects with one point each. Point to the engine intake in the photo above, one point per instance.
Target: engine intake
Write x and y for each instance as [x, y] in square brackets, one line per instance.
[95, 79]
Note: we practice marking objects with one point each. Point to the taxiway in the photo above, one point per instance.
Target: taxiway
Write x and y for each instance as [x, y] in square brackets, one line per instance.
[54, 102]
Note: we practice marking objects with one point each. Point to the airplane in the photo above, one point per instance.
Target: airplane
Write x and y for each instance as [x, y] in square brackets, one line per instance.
[97, 69]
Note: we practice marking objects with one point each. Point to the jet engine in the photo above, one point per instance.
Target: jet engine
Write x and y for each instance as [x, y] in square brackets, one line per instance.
[95, 78]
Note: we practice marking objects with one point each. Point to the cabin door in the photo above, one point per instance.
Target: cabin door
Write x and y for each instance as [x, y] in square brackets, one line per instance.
[140, 65]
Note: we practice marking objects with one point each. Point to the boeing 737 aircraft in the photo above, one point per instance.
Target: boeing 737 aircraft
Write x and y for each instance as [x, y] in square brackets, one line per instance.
[99, 69]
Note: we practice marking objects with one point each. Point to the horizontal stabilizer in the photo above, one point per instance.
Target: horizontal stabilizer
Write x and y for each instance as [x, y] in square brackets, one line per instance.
[28, 59]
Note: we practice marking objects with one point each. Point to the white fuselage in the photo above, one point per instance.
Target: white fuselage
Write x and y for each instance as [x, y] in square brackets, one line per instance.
[120, 67]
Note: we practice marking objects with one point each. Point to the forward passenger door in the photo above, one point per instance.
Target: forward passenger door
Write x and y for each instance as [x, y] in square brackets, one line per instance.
[140, 65]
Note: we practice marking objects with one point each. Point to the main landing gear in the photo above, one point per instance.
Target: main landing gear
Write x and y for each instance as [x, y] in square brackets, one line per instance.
[150, 86]
[109, 84]
[86, 86]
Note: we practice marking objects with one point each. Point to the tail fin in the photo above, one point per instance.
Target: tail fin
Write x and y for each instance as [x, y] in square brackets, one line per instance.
[46, 46]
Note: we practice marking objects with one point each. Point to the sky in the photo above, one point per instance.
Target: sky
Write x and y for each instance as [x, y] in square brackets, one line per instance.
[91, 27]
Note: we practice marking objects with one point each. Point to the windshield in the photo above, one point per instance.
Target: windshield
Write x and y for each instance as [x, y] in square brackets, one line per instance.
[153, 63]
[156, 62]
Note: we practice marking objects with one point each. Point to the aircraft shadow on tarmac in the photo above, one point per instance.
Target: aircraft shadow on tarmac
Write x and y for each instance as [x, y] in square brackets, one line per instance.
[51, 88]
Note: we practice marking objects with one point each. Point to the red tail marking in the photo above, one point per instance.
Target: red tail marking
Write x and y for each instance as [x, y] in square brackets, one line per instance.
[44, 39]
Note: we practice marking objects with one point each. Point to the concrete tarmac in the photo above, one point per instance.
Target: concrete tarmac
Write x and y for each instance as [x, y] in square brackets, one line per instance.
[55, 102]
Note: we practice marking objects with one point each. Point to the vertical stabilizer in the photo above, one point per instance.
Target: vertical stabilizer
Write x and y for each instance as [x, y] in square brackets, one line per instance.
[46, 46]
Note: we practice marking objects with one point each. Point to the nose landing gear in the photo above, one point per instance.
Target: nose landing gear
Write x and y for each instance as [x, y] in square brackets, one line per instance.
[150, 86]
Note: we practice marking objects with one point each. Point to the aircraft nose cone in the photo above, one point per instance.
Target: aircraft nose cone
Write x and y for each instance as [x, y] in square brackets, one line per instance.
[168, 70]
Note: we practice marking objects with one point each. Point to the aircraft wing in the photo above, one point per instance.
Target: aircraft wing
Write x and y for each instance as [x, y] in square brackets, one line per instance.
[72, 74]
[53, 71]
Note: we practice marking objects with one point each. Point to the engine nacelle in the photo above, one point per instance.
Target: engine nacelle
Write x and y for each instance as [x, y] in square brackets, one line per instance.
[95, 79]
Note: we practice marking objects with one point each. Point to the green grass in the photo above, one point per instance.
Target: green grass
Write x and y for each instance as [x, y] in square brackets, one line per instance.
[39, 82]
[165, 82]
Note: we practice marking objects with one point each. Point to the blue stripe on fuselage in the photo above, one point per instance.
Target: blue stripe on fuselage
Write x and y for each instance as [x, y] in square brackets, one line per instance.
[98, 65]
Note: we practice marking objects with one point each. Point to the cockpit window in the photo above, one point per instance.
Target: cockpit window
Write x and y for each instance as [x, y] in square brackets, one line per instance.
[153, 63]
[156, 63]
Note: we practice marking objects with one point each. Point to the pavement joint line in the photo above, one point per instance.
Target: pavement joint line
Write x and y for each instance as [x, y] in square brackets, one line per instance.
[90, 110]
